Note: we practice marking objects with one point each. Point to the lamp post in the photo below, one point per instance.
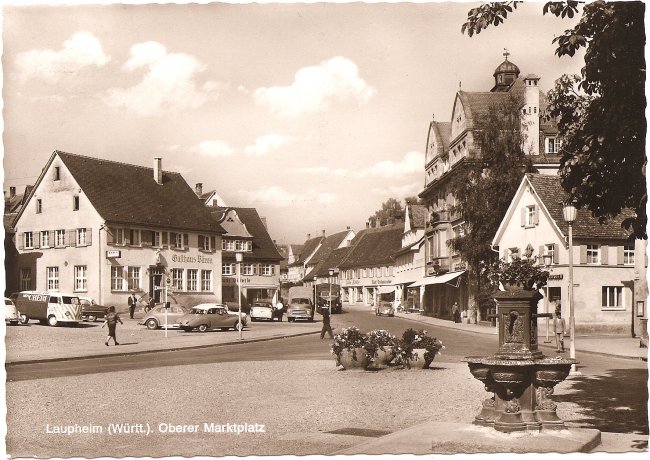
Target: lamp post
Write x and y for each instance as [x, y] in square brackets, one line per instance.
[331, 273]
[239, 257]
[548, 259]
[569, 212]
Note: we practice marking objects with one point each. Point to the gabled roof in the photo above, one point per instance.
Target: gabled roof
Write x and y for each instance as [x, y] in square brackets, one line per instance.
[15, 203]
[263, 245]
[374, 246]
[308, 248]
[329, 244]
[551, 193]
[231, 222]
[331, 261]
[128, 194]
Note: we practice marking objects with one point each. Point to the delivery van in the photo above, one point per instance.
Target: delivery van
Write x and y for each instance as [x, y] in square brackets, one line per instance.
[51, 308]
[300, 304]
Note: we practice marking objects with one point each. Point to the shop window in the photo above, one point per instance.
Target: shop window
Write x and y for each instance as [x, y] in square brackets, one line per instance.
[612, 297]
[52, 278]
[80, 278]
[25, 279]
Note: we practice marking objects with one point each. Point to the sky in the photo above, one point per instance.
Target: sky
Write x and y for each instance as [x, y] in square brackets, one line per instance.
[314, 114]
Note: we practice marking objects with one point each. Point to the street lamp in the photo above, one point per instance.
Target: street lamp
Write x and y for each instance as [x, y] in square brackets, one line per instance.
[239, 257]
[548, 259]
[569, 212]
[331, 273]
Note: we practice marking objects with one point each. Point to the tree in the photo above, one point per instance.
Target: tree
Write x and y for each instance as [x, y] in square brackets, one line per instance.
[600, 113]
[410, 200]
[391, 210]
[485, 189]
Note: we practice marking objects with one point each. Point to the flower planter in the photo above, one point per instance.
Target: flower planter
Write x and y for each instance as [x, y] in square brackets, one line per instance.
[383, 358]
[346, 359]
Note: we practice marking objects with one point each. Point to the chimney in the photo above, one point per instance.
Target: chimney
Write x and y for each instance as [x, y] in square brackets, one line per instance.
[309, 236]
[12, 192]
[198, 189]
[368, 224]
[157, 170]
[348, 227]
[323, 232]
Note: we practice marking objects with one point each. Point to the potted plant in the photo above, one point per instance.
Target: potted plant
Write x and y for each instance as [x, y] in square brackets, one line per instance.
[520, 273]
[417, 347]
[348, 348]
[379, 348]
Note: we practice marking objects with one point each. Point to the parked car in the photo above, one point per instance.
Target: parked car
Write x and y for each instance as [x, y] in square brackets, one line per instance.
[300, 303]
[235, 311]
[209, 316]
[90, 310]
[263, 309]
[156, 317]
[385, 308]
[51, 308]
[11, 312]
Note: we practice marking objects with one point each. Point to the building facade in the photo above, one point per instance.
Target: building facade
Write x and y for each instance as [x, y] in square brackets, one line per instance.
[409, 260]
[105, 229]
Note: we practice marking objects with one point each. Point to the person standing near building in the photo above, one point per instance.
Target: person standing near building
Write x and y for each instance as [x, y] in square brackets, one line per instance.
[133, 302]
[279, 307]
[111, 320]
[325, 311]
[559, 327]
[455, 311]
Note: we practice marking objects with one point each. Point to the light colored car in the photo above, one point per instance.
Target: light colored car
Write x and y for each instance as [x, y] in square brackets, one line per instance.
[209, 316]
[11, 312]
[235, 311]
[262, 310]
[156, 317]
[385, 309]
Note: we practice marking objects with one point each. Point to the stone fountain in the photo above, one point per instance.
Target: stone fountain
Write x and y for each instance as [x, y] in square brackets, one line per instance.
[520, 377]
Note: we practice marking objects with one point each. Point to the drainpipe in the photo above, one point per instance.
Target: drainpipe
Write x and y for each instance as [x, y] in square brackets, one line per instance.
[101, 227]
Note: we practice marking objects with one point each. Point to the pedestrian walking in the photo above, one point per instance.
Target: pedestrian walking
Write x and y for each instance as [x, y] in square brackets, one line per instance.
[111, 320]
[133, 302]
[279, 307]
[559, 327]
[455, 311]
[325, 311]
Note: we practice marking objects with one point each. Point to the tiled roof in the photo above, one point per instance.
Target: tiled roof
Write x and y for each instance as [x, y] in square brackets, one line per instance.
[331, 261]
[418, 215]
[308, 249]
[444, 131]
[128, 194]
[477, 104]
[329, 244]
[8, 221]
[374, 246]
[263, 245]
[586, 226]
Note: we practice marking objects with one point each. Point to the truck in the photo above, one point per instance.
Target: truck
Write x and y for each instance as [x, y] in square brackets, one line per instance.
[300, 303]
[51, 307]
[323, 297]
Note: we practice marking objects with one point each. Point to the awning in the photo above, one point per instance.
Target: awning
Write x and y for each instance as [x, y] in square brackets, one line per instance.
[385, 289]
[446, 278]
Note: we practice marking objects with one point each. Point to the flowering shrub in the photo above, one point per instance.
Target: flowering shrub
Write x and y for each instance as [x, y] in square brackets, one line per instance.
[349, 339]
[521, 271]
[412, 340]
[375, 341]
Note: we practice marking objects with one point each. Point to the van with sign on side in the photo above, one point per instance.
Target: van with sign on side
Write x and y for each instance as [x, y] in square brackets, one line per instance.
[51, 308]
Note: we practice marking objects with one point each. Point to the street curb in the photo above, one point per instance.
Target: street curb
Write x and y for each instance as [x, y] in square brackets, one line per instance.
[144, 352]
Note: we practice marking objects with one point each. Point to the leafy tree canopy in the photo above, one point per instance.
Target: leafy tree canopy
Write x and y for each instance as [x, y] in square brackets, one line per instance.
[601, 112]
[391, 210]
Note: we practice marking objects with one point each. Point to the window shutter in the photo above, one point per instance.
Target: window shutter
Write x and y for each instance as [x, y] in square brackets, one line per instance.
[164, 239]
[186, 241]
[536, 216]
[36, 239]
[146, 238]
[21, 241]
[541, 254]
[71, 238]
[52, 240]
[523, 217]
[583, 254]
[172, 239]
[127, 237]
[89, 237]
[556, 253]
[213, 243]
[201, 241]
[604, 255]
[620, 258]
[109, 235]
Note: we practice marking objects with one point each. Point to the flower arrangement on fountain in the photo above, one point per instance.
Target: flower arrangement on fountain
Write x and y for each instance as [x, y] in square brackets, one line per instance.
[522, 273]
[349, 339]
[413, 340]
[376, 341]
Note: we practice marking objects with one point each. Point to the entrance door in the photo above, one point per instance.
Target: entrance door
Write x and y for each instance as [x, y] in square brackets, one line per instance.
[155, 282]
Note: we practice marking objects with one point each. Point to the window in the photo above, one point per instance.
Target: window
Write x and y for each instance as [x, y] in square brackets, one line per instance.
[268, 270]
[134, 237]
[134, 277]
[531, 214]
[118, 237]
[57, 173]
[628, 255]
[80, 275]
[178, 240]
[39, 206]
[59, 238]
[177, 279]
[156, 239]
[549, 249]
[192, 279]
[28, 240]
[117, 280]
[593, 253]
[25, 279]
[206, 280]
[248, 269]
[249, 246]
[613, 297]
[75, 203]
[228, 269]
[81, 237]
[552, 145]
[45, 239]
[204, 243]
[52, 278]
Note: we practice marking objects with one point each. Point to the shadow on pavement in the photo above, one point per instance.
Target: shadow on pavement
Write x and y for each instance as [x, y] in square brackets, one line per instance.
[615, 402]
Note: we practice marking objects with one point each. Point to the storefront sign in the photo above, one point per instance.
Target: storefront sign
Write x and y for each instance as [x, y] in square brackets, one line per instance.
[351, 282]
[233, 281]
[382, 281]
[113, 254]
[192, 259]
[555, 277]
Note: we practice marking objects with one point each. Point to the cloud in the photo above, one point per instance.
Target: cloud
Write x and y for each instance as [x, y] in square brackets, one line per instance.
[169, 82]
[278, 197]
[214, 149]
[322, 170]
[413, 162]
[315, 88]
[81, 50]
[266, 144]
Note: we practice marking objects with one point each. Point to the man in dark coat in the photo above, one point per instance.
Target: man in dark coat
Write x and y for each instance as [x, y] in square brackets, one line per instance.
[133, 302]
[325, 311]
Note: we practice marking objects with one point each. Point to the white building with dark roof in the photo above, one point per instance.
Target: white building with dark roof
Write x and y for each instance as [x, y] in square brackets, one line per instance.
[104, 229]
